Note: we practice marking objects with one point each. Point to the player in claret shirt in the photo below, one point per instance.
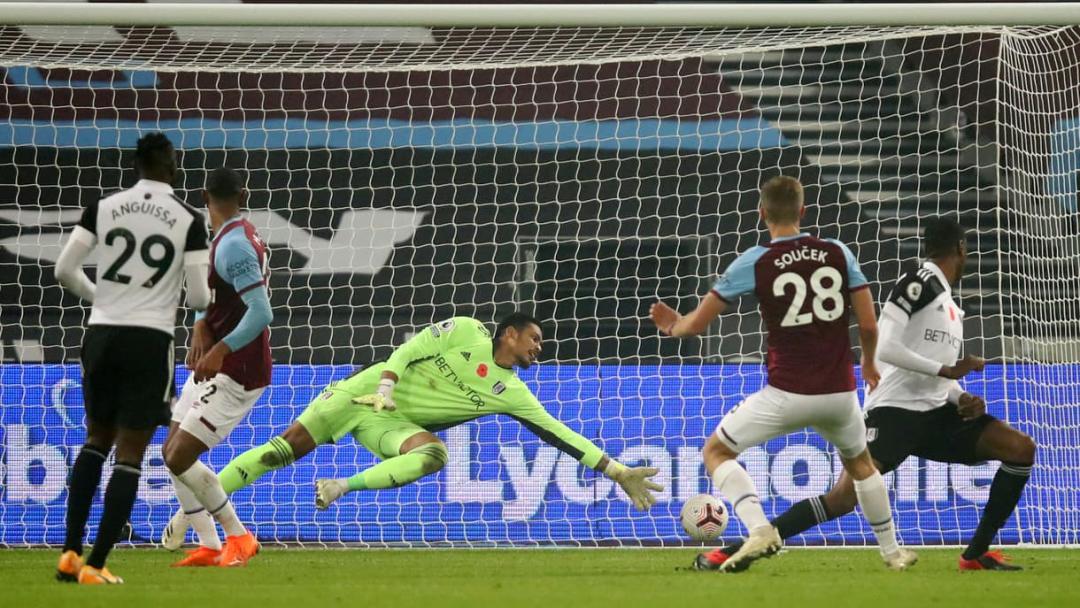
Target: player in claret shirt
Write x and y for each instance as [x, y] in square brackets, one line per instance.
[230, 362]
[449, 373]
[805, 287]
[920, 409]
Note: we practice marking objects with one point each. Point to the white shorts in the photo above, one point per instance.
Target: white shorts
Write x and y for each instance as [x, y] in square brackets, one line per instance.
[210, 410]
[772, 412]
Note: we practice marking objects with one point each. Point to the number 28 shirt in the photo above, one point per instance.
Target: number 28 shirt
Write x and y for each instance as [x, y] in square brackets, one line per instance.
[803, 286]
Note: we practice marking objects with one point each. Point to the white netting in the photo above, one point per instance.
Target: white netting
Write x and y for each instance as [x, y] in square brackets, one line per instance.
[376, 49]
[402, 175]
[1039, 132]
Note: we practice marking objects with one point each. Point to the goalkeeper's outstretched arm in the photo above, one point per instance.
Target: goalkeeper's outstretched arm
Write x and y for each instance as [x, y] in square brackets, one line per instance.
[633, 480]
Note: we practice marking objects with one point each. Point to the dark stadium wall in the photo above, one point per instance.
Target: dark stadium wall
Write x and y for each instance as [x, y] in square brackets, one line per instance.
[479, 209]
[636, 90]
[659, 154]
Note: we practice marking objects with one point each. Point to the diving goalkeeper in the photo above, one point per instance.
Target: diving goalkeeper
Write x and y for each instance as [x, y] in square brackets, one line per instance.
[449, 373]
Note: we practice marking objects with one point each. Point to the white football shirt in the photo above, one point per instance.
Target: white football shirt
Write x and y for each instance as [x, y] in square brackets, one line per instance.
[932, 326]
[144, 237]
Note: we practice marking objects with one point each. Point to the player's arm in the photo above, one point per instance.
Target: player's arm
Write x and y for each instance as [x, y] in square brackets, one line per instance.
[736, 281]
[908, 297]
[892, 349]
[237, 262]
[968, 406]
[862, 305]
[633, 480]
[202, 339]
[69, 266]
[676, 325]
[197, 265]
[427, 344]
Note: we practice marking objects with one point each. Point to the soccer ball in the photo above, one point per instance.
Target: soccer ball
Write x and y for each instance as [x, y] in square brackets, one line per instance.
[704, 517]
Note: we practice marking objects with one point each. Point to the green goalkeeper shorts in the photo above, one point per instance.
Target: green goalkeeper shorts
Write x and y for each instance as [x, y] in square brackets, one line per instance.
[332, 415]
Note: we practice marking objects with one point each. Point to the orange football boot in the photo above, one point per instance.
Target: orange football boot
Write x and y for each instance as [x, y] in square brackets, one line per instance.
[238, 550]
[991, 560]
[202, 556]
[93, 576]
[68, 568]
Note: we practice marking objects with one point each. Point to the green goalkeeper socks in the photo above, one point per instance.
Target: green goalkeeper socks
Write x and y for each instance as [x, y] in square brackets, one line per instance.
[252, 464]
[401, 470]
[391, 473]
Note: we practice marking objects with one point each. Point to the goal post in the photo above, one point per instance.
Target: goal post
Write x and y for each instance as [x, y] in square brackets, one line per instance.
[546, 15]
[411, 163]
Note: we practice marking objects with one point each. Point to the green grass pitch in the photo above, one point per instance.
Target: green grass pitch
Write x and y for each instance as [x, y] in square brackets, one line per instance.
[559, 578]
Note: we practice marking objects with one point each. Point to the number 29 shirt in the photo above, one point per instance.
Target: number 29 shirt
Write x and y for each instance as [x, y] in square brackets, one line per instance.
[144, 237]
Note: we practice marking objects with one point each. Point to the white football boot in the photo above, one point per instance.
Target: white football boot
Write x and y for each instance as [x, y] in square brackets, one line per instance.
[172, 537]
[329, 490]
[902, 559]
[762, 542]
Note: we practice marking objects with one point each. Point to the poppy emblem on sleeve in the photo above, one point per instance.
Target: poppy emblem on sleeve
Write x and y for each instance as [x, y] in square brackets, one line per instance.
[481, 370]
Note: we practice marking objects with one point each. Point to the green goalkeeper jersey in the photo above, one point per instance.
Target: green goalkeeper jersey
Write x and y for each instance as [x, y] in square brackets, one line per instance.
[447, 376]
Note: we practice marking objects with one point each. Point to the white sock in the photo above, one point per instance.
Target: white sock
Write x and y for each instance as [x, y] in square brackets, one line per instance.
[197, 515]
[204, 484]
[206, 529]
[731, 480]
[874, 500]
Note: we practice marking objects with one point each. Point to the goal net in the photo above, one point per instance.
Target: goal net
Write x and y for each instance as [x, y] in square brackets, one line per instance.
[402, 175]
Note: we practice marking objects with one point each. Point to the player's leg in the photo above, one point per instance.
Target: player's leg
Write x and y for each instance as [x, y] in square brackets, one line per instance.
[99, 401]
[420, 454]
[328, 418]
[841, 424]
[956, 440]
[119, 499]
[1016, 451]
[757, 419]
[732, 480]
[191, 513]
[800, 517]
[281, 451]
[222, 403]
[191, 473]
[873, 499]
[811, 512]
[892, 442]
[408, 453]
[85, 477]
[141, 392]
[890, 434]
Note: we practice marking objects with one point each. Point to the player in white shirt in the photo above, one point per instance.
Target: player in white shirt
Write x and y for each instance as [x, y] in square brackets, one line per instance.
[147, 240]
[920, 409]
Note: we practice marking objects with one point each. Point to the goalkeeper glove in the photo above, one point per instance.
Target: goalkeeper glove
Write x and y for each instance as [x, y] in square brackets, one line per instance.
[379, 400]
[634, 481]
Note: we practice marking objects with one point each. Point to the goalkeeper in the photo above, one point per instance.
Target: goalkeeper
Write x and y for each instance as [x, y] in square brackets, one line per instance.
[449, 373]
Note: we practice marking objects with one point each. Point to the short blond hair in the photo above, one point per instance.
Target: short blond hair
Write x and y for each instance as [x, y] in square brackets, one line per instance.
[782, 199]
